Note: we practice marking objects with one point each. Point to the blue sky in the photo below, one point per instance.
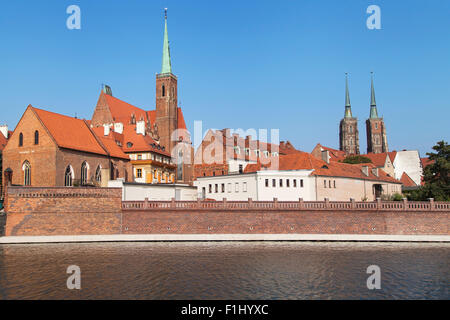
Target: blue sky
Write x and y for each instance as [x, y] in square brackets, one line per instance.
[240, 64]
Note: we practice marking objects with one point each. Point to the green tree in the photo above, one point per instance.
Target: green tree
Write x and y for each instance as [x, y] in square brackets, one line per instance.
[356, 159]
[436, 176]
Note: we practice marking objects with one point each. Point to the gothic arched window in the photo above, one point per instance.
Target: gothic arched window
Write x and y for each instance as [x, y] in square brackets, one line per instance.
[68, 177]
[26, 173]
[21, 139]
[84, 173]
[98, 174]
[36, 137]
[163, 91]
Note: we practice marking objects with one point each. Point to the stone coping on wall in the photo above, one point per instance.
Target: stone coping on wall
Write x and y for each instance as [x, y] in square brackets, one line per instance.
[288, 205]
[224, 238]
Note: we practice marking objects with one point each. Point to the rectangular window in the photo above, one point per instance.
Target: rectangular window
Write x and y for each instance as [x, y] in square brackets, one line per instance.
[301, 183]
[139, 173]
[274, 183]
[139, 157]
[236, 186]
[287, 183]
[281, 182]
[324, 183]
[216, 188]
[329, 183]
[223, 187]
[229, 188]
[267, 182]
[295, 183]
[210, 188]
[241, 168]
[244, 187]
[334, 182]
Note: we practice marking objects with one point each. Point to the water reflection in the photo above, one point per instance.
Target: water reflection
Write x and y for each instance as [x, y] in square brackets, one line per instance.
[256, 270]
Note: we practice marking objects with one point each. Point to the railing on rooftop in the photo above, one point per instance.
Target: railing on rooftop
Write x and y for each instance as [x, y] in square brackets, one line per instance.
[378, 205]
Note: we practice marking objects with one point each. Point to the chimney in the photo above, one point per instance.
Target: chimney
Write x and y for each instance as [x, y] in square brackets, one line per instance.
[140, 127]
[118, 127]
[107, 129]
[365, 170]
[375, 172]
[4, 130]
[326, 156]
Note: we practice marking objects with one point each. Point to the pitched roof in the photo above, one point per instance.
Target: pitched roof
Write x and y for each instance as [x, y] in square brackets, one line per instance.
[139, 142]
[426, 162]
[335, 155]
[3, 142]
[392, 155]
[378, 159]
[121, 111]
[305, 161]
[68, 132]
[407, 181]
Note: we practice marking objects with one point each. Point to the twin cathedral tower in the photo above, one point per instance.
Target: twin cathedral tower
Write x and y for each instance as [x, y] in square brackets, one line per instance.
[348, 128]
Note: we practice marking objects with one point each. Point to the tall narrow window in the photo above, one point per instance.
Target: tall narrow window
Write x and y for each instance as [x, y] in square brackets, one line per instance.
[180, 166]
[36, 137]
[324, 183]
[98, 174]
[301, 183]
[68, 177]
[21, 139]
[84, 173]
[295, 183]
[163, 91]
[26, 173]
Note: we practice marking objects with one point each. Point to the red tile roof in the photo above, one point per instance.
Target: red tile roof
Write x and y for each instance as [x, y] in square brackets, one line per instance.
[305, 161]
[378, 159]
[426, 162]
[3, 142]
[122, 111]
[407, 181]
[68, 132]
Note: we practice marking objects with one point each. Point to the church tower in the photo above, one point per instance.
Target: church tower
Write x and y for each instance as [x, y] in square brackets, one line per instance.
[376, 130]
[166, 96]
[348, 128]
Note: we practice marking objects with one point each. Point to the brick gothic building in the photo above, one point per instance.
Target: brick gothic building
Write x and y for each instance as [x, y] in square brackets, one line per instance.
[376, 130]
[348, 128]
[49, 149]
[165, 125]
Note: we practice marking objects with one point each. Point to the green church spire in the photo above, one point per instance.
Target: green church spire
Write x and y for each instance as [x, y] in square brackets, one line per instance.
[348, 108]
[373, 104]
[166, 65]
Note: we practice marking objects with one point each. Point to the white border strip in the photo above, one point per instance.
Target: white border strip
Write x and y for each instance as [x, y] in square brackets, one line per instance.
[224, 237]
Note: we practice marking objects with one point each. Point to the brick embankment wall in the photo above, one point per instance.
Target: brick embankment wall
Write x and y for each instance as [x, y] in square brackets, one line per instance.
[63, 211]
[282, 222]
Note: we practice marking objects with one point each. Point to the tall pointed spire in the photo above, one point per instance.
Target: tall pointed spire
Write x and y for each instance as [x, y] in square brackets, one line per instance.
[348, 108]
[373, 104]
[166, 65]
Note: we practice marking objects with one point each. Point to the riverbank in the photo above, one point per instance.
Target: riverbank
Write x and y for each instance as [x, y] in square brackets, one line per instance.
[223, 237]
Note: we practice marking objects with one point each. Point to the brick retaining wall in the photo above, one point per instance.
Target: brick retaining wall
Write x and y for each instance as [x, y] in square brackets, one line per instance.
[90, 211]
[63, 211]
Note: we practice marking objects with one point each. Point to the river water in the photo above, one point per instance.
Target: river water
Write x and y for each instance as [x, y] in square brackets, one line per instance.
[225, 270]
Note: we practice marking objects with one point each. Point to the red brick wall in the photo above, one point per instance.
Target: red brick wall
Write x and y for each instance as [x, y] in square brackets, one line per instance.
[275, 222]
[79, 211]
[42, 157]
[63, 211]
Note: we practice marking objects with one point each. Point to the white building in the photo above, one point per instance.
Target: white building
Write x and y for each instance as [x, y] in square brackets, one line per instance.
[407, 161]
[132, 191]
[262, 185]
